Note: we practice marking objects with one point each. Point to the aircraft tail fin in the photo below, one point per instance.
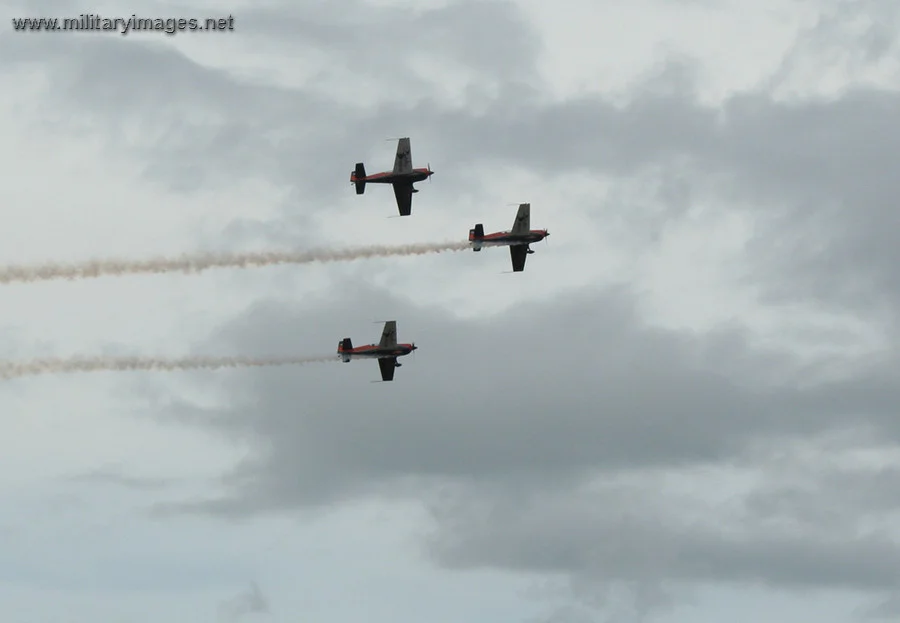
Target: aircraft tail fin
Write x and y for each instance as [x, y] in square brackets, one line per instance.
[475, 236]
[344, 348]
[358, 177]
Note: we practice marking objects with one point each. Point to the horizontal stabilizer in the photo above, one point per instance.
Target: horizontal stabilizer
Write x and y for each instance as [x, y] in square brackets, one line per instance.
[345, 347]
[476, 235]
[359, 178]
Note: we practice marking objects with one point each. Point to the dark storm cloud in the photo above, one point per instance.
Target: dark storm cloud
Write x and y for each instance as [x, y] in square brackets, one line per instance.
[546, 393]
[635, 534]
[498, 423]
[810, 521]
[638, 544]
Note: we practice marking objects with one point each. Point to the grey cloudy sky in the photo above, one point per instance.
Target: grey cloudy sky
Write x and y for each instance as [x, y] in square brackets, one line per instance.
[684, 410]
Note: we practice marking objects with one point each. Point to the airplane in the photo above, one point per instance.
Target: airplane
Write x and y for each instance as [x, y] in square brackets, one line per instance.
[401, 178]
[386, 351]
[517, 239]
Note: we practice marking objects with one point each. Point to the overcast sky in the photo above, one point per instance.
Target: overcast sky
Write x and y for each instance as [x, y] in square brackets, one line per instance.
[684, 410]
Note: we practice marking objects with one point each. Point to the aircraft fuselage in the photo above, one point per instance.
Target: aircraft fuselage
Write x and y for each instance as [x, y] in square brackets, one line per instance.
[373, 351]
[506, 239]
[389, 177]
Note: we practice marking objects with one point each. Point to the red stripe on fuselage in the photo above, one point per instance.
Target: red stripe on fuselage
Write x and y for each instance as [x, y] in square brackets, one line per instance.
[388, 176]
[375, 350]
[507, 236]
[378, 176]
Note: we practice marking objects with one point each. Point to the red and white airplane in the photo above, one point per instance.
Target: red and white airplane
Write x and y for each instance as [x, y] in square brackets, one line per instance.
[401, 178]
[517, 239]
[386, 351]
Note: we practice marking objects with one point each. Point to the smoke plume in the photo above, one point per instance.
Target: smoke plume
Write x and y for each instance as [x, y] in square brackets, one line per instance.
[12, 369]
[196, 263]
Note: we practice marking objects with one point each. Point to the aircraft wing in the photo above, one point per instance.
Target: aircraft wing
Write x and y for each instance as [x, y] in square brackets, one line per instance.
[404, 194]
[387, 365]
[403, 160]
[522, 223]
[518, 253]
[389, 335]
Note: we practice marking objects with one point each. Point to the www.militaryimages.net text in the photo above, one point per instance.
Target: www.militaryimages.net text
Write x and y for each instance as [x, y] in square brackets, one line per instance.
[92, 22]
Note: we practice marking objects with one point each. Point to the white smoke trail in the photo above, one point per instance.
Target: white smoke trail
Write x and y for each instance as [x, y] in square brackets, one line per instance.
[13, 369]
[196, 263]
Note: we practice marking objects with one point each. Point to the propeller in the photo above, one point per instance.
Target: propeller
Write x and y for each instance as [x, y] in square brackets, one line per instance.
[430, 172]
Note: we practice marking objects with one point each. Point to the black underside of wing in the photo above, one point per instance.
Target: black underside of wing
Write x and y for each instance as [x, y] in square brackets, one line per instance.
[387, 365]
[518, 253]
[404, 194]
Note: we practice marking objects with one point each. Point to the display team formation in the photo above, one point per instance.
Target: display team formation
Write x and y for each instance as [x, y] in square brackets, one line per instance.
[402, 178]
